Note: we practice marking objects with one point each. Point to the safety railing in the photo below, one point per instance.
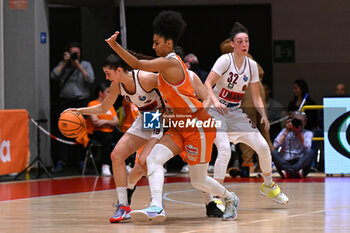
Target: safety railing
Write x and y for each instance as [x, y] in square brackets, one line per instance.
[313, 107]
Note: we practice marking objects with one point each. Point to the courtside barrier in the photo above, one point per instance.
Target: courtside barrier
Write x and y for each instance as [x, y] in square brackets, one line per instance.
[49, 134]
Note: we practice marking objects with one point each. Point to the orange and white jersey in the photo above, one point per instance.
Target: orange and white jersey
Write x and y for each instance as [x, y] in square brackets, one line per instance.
[180, 98]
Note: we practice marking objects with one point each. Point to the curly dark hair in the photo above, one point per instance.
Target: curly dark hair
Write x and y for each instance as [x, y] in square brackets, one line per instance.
[170, 25]
[238, 28]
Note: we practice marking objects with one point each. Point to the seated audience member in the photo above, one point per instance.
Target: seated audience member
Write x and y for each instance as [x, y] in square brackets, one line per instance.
[103, 127]
[293, 155]
[340, 89]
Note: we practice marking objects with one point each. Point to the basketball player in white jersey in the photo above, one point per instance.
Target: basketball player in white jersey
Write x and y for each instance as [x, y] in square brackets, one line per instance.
[231, 75]
[140, 88]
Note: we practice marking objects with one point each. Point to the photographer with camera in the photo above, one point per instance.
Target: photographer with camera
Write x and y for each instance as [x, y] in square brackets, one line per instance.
[293, 154]
[74, 77]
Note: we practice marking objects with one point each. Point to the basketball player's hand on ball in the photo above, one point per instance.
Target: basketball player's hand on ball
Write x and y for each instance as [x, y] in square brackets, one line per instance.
[265, 121]
[112, 40]
[70, 109]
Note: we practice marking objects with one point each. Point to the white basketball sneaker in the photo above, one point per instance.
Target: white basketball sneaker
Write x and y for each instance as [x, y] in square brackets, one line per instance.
[274, 192]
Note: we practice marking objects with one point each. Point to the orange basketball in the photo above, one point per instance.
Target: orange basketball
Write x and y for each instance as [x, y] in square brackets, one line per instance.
[71, 124]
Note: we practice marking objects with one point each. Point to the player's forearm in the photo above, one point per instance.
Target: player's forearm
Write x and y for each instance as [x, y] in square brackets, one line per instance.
[207, 102]
[211, 93]
[259, 106]
[93, 110]
[125, 55]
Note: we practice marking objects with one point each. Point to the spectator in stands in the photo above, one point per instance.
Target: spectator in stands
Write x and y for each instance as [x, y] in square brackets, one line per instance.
[293, 155]
[300, 88]
[192, 63]
[340, 89]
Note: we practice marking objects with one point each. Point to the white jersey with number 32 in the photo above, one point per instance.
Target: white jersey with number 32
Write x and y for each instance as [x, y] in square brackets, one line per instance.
[233, 82]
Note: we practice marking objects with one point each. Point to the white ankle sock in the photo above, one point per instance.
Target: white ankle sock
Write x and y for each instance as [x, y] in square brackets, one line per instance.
[122, 196]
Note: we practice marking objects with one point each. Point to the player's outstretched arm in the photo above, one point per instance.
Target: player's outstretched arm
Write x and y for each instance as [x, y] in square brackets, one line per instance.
[105, 105]
[160, 64]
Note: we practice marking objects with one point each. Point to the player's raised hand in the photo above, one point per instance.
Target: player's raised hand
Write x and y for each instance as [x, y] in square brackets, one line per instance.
[112, 40]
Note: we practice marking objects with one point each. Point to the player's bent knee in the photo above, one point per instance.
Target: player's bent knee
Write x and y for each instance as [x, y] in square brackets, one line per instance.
[157, 158]
[224, 150]
[224, 155]
[262, 148]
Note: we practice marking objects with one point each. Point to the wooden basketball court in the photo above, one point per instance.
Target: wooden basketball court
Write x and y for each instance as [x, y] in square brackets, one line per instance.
[84, 204]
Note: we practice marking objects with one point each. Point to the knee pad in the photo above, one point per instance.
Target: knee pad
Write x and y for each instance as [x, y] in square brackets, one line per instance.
[158, 156]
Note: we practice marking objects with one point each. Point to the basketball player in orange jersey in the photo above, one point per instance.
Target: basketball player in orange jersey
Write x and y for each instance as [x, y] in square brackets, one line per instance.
[140, 88]
[194, 142]
[231, 75]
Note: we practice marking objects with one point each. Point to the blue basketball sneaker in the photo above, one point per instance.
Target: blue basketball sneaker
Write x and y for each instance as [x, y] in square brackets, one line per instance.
[150, 214]
[122, 212]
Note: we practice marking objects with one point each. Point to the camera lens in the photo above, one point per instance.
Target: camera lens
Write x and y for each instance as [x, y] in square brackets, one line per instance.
[73, 56]
[296, 123]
